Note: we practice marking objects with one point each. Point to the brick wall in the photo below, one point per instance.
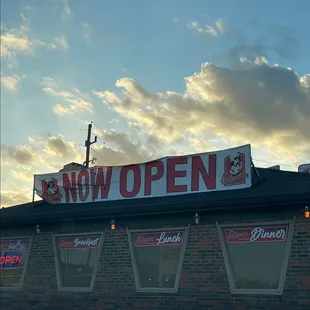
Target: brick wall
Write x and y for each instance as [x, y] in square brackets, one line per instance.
[203, 282]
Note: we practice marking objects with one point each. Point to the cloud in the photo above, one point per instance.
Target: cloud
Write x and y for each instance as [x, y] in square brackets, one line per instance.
[215, 31]
[22, 173]
[17, 41]
[66, 13]
[11, 82]
[17, 154]
[258, 103]
[62, 43]
[90, 35]
[8, 198]
[75, 100]
[87, 30]
[45, 154]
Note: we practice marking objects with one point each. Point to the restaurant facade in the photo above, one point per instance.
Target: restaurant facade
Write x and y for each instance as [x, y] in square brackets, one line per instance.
[243, 246]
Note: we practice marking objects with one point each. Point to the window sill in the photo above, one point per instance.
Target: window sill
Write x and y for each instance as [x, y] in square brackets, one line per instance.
[75, 289]
[256, 292]
[156, 290]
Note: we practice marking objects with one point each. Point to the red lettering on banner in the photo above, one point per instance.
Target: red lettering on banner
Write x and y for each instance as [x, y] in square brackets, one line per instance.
[70, 187]
[104, 185]
[198, 168]
[83, 174]
[149, 177]
[172, 174]
[136, 181]
[256, 234]
[171, 238]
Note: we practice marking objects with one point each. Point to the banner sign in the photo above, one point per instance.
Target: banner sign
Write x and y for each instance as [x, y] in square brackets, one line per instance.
[305, 168]
[78, 243]
[170, 238]
[256, 234]
[20, 245]
[221, 170]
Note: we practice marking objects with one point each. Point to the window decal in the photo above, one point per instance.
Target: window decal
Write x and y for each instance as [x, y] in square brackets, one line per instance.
[77, 259]
[256, 256]
[157, 257]
[13, 261]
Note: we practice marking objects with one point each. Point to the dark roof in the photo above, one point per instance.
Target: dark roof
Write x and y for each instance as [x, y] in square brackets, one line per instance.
[273, 188]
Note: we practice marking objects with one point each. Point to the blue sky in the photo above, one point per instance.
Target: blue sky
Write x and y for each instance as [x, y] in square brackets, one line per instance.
[58, 50]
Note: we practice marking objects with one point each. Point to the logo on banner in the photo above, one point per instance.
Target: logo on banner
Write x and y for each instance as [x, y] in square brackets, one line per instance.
[50, 191]
[234, 170]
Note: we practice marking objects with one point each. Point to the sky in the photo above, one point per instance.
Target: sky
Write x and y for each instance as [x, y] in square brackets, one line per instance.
[156, 78]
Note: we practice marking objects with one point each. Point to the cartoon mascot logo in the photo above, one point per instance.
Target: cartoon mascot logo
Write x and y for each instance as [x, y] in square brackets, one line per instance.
[50, 191]
[234, 170]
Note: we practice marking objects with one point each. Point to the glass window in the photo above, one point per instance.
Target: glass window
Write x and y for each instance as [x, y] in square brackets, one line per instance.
[13, 261]
[157, 258]
[77, 260]
[256, 257]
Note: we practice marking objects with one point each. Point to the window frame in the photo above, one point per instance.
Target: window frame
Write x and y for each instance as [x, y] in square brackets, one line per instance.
[233, 289]
[90, 288]
[139, 288]
[23, 275]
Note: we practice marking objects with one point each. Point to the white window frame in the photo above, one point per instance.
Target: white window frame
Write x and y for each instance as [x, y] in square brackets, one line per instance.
[22, 278]
[57, 261]
[233, 289]
[139, 288]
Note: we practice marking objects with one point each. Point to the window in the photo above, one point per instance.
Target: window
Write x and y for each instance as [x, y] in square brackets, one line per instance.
[157, 257]
[13, 261]
[77, 259]
[256, 256]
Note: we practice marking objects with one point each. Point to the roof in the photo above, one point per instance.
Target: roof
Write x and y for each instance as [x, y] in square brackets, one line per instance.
[272, 188]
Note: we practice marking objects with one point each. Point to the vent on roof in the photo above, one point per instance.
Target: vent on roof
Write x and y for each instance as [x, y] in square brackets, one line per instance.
[71, 166]
[276, 167]
[305, 168]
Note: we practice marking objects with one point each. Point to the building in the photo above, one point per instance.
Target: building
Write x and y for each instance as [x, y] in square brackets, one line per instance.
[234, 249]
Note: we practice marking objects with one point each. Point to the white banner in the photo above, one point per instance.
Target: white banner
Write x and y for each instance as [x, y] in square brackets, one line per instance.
[305, 168]
[177, 175]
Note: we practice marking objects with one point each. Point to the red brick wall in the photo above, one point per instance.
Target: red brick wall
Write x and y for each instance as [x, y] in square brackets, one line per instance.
[203, 283]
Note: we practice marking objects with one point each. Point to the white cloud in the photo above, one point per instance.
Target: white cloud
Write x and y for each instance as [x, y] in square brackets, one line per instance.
[11, 82]
[241, 105]
[8, 198]
[66, 13]
[209, 30]
[75, 101]
[50, 153]
[17, 41]
[62, 42]
[87, 32]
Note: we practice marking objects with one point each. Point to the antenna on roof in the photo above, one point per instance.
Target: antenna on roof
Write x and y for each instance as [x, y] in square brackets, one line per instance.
[255, 170]
[88, 143]
[33, 190]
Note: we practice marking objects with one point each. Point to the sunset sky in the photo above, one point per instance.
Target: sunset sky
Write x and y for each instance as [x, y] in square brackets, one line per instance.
[156, 77]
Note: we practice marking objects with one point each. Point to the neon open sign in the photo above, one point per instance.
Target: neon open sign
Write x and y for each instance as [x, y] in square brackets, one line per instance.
[11, 259]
